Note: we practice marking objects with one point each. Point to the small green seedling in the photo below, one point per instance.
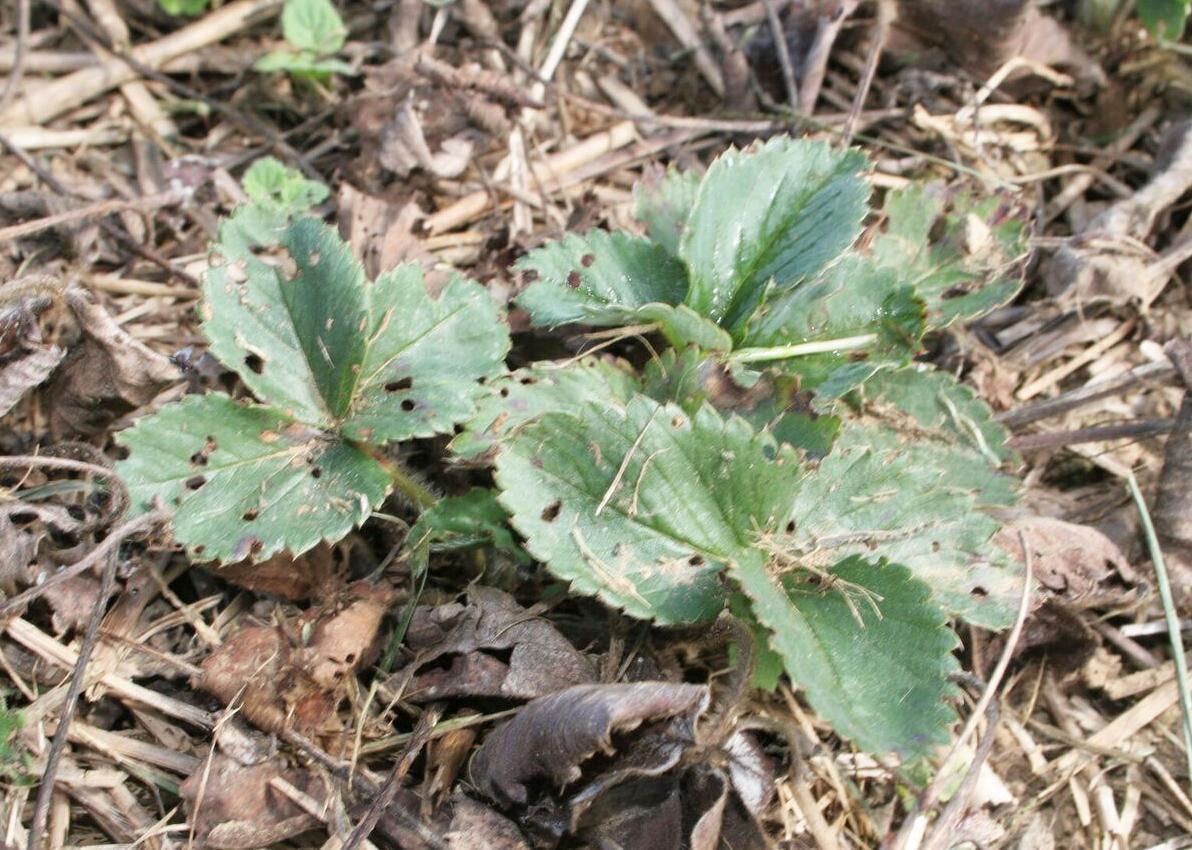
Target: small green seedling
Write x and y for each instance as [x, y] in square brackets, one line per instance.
[314, 33]
[781, 454]
[188, 8]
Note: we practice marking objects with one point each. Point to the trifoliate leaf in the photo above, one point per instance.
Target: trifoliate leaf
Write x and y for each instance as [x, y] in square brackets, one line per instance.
[247, 481]
[868, 647]
[845, 325]
[972, 265]
[662, 200]
[918, 503]
[600, 278]
[377, 361]
[780, 213]
[514, 399]
[268, 181]
[937, 403]
[643, 504]
[313, 25]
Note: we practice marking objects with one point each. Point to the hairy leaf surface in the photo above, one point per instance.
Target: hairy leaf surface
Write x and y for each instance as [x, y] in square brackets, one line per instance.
[599, 278]
[780, 213]
[378, 360]
[917, 503]
[643, 505]
[867, 645]
[247, 481]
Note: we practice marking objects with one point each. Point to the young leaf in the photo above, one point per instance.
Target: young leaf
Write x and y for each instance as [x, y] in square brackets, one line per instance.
[247, 481]
[968, 269]
[474, 519]
[302, 63]
[841, 327]
[643, 505]
[514, 399]
[662, 200]
[867, 646]
[939, 404]
[268, 181]
[780, 213]
[183, 7]
[313, 25]
[600, 278]
[378, 361]
[1164, 18]
[919, 504]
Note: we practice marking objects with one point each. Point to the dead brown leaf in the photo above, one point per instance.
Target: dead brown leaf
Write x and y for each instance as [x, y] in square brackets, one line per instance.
[554, 735]
[106, 374]
[1072, 561]
[231, 806]
[490, 646]
[318, 572]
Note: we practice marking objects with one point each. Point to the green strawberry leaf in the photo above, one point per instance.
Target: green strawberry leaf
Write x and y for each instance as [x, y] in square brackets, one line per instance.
[778, 214]
[972, 265]
[918, 503]
[643, 504]
[600, 278]
[313, 25]
[473, 519]
[868, 647]
[376, 361]
[514, 399]
[838, 329]
[268, 181]
[247, 481]
[302, 63]
[662, 200]
[1165, 18]
[937, 403]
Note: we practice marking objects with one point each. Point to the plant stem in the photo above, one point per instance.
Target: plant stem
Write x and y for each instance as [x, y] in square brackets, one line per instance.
[782, 352]
[410, 487]
[1169, 614]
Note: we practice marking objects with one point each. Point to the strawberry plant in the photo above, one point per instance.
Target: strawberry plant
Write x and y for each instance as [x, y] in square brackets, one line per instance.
[781, 453]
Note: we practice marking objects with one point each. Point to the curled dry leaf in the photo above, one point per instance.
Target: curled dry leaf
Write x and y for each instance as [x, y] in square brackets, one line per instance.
[314, 574]
[106, 374]
[293, 676]
[232, 806]
[1072, 561]
[554, 735]
[24, 371]
[474, 824]
[18, 553]
[489, 647]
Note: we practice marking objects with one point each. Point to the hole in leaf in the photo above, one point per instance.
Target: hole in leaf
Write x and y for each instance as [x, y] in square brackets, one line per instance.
[574, 279]
[199, 458]
[254, 363]
[251, 514]
[400, 384]
[529, 276]
[677, 422]
[408, 404]
[551, 512]
[195, 482]
[350, 658]
[75, 512]
[790, 527]
[696, 560]
[504, 392]
[316, 472]
[586, 260]
[528, 381]
[979, 592]
[200, 549]
[935, 545]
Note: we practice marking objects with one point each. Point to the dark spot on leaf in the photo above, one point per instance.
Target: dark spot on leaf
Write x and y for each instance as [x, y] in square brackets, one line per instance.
[251, 514]
[678, 421]
[254, 363]
[529, 276]
[551, 512]
[696, 560]
[350, 658]
[399, 384]
[316, 472]
[586, 260]
[200, 549]
[979, 592]
[935, 545]
[574, 279]
[814, 580]
[528, 381]
[75, 512]
[790, 527]
[195, 482]
[408, 404]
[858, 356]
[504, 392]
[199, 458]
